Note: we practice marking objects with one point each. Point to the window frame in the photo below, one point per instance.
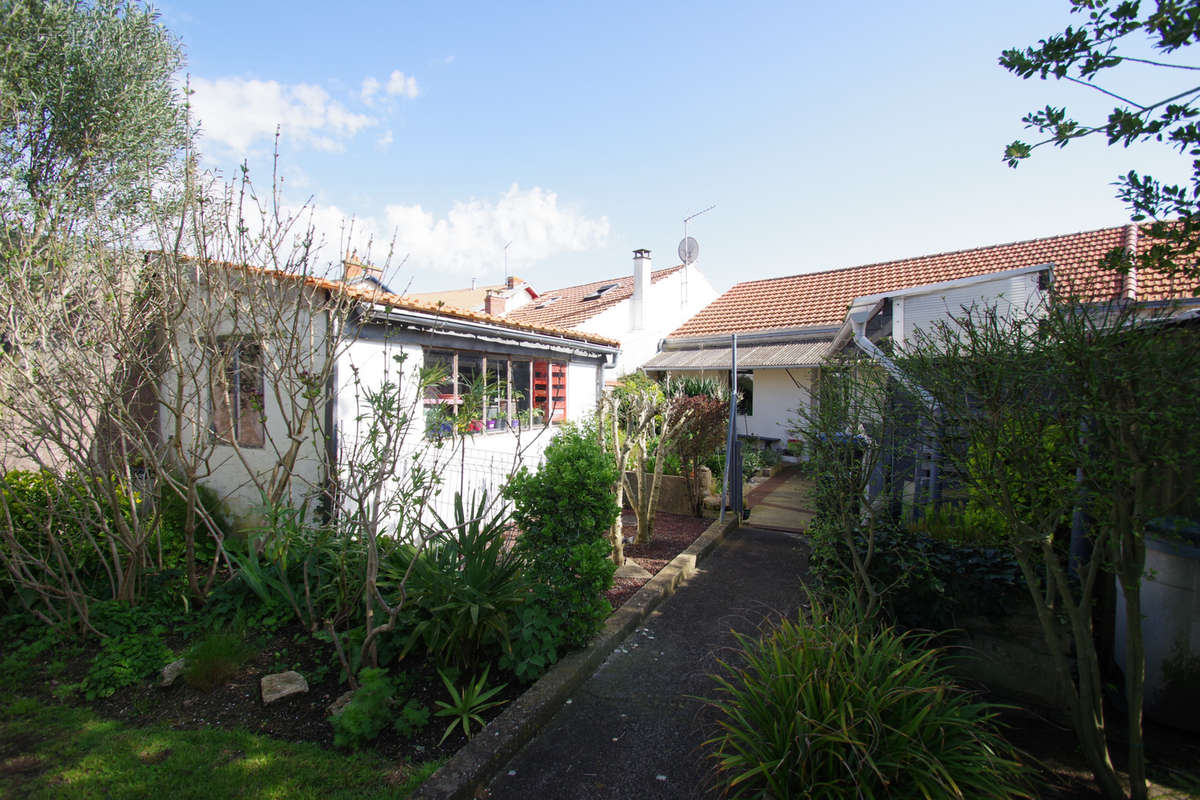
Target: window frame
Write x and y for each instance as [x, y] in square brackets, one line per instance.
[495, 415]
[226, 390]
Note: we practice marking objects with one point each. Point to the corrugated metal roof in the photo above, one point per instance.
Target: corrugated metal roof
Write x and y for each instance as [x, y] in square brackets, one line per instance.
[791, 354]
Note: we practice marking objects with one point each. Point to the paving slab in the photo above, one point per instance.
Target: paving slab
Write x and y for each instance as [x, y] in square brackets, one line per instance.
[635, 728]
[782, 503]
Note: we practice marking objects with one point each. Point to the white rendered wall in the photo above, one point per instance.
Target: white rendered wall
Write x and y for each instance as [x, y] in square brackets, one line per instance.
[667, 308]
[1010, 296]
[470, 464]
[776, 398]
[185, 413]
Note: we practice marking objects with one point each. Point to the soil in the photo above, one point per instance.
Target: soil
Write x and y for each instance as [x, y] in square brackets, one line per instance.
[304, 717]
[673, 533]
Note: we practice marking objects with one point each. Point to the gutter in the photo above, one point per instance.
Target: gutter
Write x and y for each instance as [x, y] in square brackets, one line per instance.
[419, 320]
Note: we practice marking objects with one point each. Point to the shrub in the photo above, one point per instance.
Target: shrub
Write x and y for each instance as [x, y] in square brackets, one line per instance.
[215, 659]
[832, 709]
[367, 713]
[465, 587]
[124, 660]
[564, 511]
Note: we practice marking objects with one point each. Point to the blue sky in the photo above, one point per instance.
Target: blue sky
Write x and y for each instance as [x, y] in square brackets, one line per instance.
[826, 135]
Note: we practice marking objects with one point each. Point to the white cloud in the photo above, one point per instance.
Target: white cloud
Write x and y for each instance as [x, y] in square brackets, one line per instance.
[401, 85]
[241, 114]
[385, 141]
[469, 240]
[369, 88]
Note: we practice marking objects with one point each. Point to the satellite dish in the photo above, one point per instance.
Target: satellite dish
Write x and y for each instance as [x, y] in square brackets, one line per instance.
[689, 250]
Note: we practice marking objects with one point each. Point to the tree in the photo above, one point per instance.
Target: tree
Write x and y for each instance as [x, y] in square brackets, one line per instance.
[1091, 409]
[1086, 54]
[90, 117]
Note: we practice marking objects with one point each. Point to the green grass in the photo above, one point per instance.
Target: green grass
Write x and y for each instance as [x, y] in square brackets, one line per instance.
[64, 752]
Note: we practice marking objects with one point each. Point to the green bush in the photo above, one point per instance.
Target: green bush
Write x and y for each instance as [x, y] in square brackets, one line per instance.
[124, 660]
[465, 587]
[831, 709]
[214, 659]
[564, 511]
[367, 713]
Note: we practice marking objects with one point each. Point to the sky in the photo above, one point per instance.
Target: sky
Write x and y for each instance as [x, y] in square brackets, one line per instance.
[427, 136]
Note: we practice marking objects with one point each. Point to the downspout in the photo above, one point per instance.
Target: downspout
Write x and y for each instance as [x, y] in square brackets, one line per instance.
[858, 321]
[732, 422]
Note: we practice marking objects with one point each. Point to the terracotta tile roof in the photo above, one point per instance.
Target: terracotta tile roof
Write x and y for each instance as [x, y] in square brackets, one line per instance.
[370, 294]
[471, 298]
[822, 298]
[571, 307]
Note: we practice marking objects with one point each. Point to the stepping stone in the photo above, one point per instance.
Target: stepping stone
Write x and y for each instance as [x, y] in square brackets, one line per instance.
[632, 569]
[339, 705]
[281, 685]
[170, 673]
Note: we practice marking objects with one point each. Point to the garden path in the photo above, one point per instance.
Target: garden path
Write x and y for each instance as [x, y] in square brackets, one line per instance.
[635, 729]
[782, 502]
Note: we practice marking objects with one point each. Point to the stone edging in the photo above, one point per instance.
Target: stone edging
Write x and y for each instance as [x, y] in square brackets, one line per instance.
[490, 749]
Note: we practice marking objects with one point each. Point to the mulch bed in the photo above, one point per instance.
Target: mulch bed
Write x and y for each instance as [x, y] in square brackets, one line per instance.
[305, 717]
[673, 533]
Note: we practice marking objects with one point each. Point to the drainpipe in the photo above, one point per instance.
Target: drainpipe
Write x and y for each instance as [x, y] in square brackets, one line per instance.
[1129, 291]
[725, 487]
[858, 318]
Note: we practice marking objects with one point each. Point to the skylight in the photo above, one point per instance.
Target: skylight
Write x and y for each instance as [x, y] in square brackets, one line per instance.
[605, 288]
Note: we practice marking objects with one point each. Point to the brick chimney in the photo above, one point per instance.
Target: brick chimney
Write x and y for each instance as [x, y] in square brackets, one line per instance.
[641, 289]
[355, 270]
[493, 304]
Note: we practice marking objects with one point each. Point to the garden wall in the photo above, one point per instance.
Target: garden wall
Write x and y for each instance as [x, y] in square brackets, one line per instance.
[674, 498]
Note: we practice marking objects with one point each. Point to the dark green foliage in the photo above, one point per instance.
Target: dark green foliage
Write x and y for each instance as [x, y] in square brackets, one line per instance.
[123, 661]
[467, 704]
[317, 571]
[214, 659]
[368, 712]
[830, 708]
[464, 588]
[411, 718]
[564, 511]
[535, 642]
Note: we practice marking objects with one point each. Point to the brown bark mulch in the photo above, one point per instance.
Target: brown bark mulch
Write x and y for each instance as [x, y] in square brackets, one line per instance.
[673, 533]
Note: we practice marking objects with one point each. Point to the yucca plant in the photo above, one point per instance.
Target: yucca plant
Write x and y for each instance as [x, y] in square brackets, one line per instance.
[830, 708]
[467, 704]
[466, 586]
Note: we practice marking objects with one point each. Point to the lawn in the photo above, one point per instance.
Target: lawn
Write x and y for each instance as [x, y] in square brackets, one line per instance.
[57, 751]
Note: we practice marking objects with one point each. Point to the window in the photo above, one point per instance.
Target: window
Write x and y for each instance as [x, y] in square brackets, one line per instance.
[474, 393]
[237, 403]
[745, 392]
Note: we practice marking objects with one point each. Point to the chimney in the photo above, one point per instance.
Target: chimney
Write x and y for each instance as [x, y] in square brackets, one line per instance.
[493, 304]
[354, 270]
[1131, 244]
[641, 289]
[510, 282]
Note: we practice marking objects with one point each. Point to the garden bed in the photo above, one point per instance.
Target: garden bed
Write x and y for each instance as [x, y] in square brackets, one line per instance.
[673, 533]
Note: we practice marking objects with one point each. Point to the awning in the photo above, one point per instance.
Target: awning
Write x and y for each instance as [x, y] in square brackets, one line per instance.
[808, 353]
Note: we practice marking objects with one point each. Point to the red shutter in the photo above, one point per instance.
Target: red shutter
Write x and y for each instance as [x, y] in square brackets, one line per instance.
[550, 389]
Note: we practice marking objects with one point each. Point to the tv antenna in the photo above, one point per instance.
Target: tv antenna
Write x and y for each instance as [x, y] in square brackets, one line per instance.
[506, 260]
[689, 251]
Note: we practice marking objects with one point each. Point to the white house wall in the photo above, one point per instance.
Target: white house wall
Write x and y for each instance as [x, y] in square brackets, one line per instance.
[666, 308]
[1012, 295]
[185, 411]
[477, 462]
[776, 398]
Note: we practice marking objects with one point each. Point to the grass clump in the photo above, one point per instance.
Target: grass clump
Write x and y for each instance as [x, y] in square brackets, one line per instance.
[832, 708]
[215, 659]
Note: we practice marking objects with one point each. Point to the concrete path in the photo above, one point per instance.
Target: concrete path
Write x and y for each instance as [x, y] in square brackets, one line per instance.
[783, 502]
[634, 729]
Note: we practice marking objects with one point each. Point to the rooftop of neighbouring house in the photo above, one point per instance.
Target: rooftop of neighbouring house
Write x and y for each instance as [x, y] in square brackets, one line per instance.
[474, 297]
[571, 305]
[822, 298]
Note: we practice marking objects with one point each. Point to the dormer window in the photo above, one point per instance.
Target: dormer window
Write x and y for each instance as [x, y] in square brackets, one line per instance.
[596, 295]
